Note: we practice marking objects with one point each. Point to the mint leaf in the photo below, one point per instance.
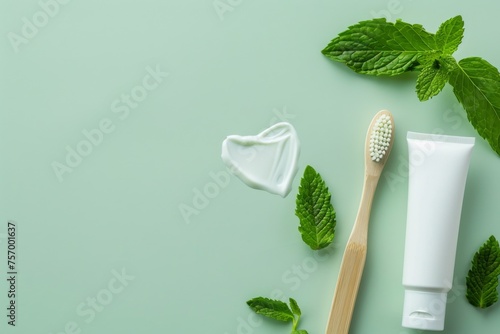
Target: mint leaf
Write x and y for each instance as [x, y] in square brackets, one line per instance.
[278, 310]
[274, 309]
[295, 307]
[450, 34]
[482, 279]
[378, 47]
[431, 81]
[476, 84]
[316, 213]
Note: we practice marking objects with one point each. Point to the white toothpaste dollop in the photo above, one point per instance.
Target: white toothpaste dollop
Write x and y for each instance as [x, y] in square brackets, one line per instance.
[267, 161]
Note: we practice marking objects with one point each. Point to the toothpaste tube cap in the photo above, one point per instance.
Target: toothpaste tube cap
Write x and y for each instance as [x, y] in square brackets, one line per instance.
[424, 310]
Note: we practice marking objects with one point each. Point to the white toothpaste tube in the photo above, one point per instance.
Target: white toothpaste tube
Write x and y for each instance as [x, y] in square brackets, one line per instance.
[437, 175]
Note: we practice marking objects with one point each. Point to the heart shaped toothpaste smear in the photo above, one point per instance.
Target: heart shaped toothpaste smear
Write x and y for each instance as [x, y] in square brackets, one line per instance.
[267, 161]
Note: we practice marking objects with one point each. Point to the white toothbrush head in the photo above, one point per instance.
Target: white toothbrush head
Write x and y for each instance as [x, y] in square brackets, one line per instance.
[381, 137]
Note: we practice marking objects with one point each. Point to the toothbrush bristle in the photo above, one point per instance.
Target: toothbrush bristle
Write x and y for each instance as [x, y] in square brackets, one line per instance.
[380, 138]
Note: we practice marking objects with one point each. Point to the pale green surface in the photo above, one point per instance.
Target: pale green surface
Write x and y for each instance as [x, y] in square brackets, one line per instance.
[120, 207]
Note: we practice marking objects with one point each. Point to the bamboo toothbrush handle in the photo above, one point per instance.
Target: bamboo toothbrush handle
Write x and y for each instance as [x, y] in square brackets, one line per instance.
[348, 281]
[353, 262]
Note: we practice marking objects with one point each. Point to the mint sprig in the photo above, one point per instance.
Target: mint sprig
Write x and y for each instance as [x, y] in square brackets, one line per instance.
[377, 47]
[315, 211]
[278, 310]
[482, 279]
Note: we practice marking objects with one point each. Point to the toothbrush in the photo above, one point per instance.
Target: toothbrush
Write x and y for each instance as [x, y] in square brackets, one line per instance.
[379, 140]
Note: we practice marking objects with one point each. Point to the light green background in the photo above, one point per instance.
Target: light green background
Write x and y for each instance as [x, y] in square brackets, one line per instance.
[257, 63]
